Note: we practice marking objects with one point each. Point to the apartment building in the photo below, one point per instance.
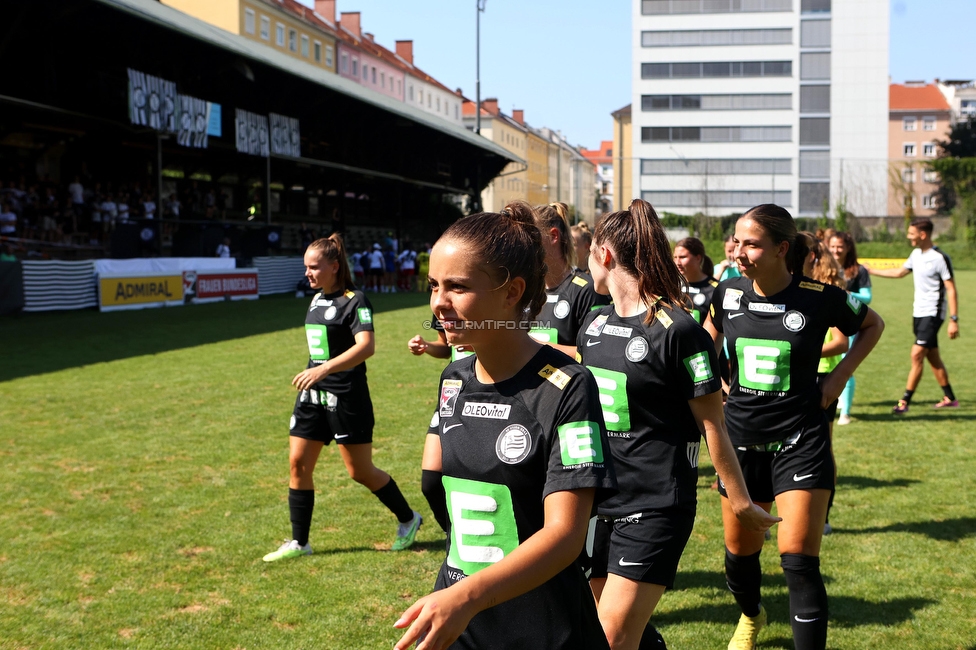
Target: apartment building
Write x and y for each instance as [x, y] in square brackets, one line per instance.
[919, 116]
[602, 158]
[512, 184]
[741, 102]
[285, 25]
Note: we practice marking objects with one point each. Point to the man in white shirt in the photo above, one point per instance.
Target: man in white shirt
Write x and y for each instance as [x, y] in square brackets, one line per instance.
[935, 294]
[8, 220]
[223, 250]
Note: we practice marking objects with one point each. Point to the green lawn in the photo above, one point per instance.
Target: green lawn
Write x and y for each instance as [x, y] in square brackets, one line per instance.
[145, 464]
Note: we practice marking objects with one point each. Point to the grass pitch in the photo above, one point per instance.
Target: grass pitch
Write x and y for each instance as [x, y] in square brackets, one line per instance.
[144, 458]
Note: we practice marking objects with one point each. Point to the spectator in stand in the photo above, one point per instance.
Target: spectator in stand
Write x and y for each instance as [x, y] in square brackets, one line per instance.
[408, 263]
[376, 264]
[8, 220]
[7, 253]
[223, 250]
[77, 193]
[110, 212]
[95, 236]
[390, 271]
[148, 205]
[47, 209]
[124, 208]
[174, 206]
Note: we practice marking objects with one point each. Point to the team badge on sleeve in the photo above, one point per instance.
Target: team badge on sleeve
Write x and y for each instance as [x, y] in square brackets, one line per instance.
[699, 367]
[450, 389]
[365, 315]
[853, 303]
[732, 299]
[579, 443]
[555, 376]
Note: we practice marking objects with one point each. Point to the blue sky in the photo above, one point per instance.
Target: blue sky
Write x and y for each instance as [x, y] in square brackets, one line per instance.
[566, 63]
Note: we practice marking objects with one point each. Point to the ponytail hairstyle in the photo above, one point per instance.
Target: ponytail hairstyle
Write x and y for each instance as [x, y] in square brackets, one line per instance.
[695, 246]
[507, 245]
[779, 225]
[825, 267]
[333, 250]
[583, 231]
[556, 215]
[850, 264]
[641, 248]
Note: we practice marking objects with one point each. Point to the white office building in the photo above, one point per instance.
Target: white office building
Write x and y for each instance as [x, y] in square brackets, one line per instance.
[742, 102]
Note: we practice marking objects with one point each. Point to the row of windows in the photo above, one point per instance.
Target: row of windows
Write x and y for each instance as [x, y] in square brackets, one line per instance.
[717, 199]
[717, 134]
[716, 69]
[716, 102]
[686, 167]
[910, 150]
[430, 101]
[910, 123]
[658, 7]
[293, 38]
[699, 37]
[369, 73]
[909, 175]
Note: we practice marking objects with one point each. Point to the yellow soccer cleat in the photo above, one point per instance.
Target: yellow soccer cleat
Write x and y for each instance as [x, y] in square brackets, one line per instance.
[747, 631]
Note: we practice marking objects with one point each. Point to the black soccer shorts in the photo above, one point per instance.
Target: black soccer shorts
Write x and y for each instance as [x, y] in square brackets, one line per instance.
[325, 416]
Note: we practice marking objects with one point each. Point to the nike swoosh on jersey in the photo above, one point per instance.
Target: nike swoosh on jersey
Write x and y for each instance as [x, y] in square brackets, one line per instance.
[624, 562]
[731, 316]
[590, 343]
[453, 426]
[801, 478]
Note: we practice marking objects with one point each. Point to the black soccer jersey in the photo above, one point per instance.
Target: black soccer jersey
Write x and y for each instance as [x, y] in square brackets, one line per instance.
[566, 307]
[700, 294]
[505, 447]
[331, 325]
[646, 374]
[774, 343]
[859, 281]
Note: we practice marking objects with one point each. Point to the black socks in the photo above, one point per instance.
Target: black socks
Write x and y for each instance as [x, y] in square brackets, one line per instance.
[391, 497]
[300, 506]
[743, 574]
[907, 397]
[947, 390]
[808, 601]
[433, 489]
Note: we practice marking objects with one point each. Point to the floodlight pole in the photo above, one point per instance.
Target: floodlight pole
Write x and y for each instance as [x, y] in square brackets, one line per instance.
[480, 6]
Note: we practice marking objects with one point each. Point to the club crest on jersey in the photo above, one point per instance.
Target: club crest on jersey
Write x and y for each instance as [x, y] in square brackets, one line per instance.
[450, 389]
[484, 410]
[767, 308]
[513, 444]
[732, 299]
[597, 325]
[561, 310]
[330, 313]
[699, 299]
[637, 349]
[794, 321]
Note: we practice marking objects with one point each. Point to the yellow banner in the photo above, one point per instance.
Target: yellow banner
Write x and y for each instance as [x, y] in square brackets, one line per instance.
[883, 262]
[140, 291]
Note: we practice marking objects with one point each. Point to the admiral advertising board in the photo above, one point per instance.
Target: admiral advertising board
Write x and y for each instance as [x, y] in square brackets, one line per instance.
[117, 291]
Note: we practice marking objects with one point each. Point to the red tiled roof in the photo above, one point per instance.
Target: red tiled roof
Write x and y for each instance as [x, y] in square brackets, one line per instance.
[912, 98]
[602, 155]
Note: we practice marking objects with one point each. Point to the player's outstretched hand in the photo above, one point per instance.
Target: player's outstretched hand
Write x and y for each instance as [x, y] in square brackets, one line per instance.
[417, 345]
[436, 621]
[756, 519]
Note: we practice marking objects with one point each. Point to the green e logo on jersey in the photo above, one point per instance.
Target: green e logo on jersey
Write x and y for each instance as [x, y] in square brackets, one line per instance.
[365, 315]
[318, 342]
[613, 398]
[763, 364]
[579, 442]
[699, 367]
[483, 528]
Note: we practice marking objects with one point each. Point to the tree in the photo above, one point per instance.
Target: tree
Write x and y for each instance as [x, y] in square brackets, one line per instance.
[956, 167]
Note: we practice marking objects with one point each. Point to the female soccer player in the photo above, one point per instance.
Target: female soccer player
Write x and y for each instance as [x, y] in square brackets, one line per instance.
[523, 454]
[582, 238]
[696, 268]
[775, 322]
[333, 398]
[656, 370]
[569, 294]
[858, 279]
